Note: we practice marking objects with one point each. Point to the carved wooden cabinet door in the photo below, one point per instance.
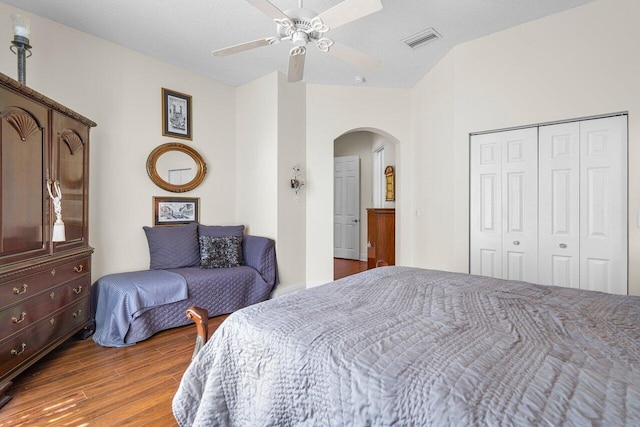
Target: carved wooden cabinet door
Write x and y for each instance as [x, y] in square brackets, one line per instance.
[24, 153]
[70, 152]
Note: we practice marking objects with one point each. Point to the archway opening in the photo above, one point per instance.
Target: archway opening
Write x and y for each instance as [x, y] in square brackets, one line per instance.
[365, 173]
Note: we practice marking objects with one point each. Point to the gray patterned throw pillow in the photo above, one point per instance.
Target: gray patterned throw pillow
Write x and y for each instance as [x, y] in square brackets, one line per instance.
[220, 252]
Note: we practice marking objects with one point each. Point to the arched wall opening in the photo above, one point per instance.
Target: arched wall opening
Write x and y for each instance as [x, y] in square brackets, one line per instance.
[375, 151]
[332, 112]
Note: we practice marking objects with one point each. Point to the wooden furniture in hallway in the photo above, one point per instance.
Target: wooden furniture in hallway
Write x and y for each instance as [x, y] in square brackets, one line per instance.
[381, 237]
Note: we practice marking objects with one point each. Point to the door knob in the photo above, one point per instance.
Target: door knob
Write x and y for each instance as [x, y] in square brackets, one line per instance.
[563, 245]
[516, 242]
[355, 220]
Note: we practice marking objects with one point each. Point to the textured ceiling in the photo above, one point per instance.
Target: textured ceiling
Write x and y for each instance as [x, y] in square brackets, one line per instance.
[184, 32]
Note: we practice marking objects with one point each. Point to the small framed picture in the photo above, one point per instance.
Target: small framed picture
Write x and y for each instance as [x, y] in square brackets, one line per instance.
[175, 210]
[176, 114]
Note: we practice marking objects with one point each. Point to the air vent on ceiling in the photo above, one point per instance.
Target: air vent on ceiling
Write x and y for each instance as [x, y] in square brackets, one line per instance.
[422, 38]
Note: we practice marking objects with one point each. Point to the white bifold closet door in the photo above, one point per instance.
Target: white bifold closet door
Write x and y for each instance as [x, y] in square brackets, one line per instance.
[504, 217]
[583, 204]
[552, 208]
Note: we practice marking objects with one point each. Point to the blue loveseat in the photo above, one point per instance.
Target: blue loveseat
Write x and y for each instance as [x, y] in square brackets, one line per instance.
[122, 319]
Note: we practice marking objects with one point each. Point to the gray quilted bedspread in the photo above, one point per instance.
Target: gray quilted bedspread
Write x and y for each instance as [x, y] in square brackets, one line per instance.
[411, 347]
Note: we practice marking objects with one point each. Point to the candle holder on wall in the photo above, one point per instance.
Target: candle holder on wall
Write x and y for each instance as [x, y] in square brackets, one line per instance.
[297, 181]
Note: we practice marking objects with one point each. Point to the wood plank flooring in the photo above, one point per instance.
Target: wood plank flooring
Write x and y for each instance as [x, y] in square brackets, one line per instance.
[83, 384]
[346, 267]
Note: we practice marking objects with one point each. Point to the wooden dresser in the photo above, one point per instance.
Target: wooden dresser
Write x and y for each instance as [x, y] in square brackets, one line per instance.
[381, 236]
[45, 286]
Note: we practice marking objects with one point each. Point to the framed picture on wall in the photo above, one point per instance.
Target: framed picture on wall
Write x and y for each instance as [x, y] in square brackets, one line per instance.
[176, 114]
[175, 210]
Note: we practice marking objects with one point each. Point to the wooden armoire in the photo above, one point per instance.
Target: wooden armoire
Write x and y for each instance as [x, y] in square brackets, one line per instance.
[45, 286]
[381, 237]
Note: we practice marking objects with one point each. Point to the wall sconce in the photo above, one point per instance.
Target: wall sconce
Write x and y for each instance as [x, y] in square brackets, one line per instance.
[297, 182]
[20, 44]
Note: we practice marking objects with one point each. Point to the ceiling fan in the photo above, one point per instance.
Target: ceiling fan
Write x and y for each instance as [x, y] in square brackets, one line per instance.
[302, 26]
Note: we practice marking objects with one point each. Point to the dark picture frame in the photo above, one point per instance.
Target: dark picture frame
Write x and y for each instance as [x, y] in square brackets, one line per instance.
[176, 114]
[175, 210]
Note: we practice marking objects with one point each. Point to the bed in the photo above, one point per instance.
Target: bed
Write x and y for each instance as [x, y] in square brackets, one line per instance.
[406, 346]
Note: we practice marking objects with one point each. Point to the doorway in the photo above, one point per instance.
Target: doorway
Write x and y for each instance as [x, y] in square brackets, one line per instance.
[375, 153]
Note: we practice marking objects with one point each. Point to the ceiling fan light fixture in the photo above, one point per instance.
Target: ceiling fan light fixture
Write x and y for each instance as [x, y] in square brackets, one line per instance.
[324, 44]
[300, 38]
[301, 26]
[318, 26]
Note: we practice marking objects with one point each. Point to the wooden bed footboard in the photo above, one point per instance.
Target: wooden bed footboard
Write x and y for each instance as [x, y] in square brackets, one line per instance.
[201, 318]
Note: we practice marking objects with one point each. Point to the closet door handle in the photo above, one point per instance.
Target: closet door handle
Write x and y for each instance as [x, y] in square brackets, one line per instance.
[516, 242]
[563, 245]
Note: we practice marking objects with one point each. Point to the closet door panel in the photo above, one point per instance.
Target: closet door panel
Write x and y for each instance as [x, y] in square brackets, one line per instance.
[520, 204]
[559, 200]
[603, 204]
[486, 210]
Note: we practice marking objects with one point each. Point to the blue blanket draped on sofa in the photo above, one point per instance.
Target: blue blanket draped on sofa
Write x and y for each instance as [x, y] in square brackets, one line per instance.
[123, 297]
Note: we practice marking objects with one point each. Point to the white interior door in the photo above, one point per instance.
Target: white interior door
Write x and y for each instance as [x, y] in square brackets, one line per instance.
[520, 204]
[603, 204]
[559, 200]
[346, 216]
[486, 208]
[504, 205]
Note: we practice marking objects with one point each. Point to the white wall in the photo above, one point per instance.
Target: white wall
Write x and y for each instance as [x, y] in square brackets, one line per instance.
[578, 63]
[292, 237]
[270, 128]
[257, 156]
[120, 90]
[331, 112]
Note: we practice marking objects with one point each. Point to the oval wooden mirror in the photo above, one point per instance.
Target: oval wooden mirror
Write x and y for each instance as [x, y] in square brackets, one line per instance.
[176, 167]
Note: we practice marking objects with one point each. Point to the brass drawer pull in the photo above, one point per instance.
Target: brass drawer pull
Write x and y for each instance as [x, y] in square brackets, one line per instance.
[17, 291]
[77, 290]
[79, 268]
[77, 313]
[15, 352]
[53, 272]
[14, 319]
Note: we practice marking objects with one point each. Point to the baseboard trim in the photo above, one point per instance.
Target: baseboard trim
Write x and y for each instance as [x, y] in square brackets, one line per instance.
[288, 289]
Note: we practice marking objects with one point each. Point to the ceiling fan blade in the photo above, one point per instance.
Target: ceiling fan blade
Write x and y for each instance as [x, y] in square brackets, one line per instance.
[266, 7]
[226, 51]
[353, 56]
[296, 64]
[348, 11]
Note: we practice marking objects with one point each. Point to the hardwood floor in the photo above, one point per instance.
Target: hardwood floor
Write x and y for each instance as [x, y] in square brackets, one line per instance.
[83, 384]
[346, 267]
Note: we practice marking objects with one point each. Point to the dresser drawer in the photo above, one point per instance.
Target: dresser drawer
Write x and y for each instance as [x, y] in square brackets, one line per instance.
[28, 312]
[28, 343]
[43, 279]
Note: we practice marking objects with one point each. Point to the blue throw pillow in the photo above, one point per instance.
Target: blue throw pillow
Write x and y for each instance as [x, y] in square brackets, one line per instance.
[220, 252]
[173, 247]
[220, 230]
